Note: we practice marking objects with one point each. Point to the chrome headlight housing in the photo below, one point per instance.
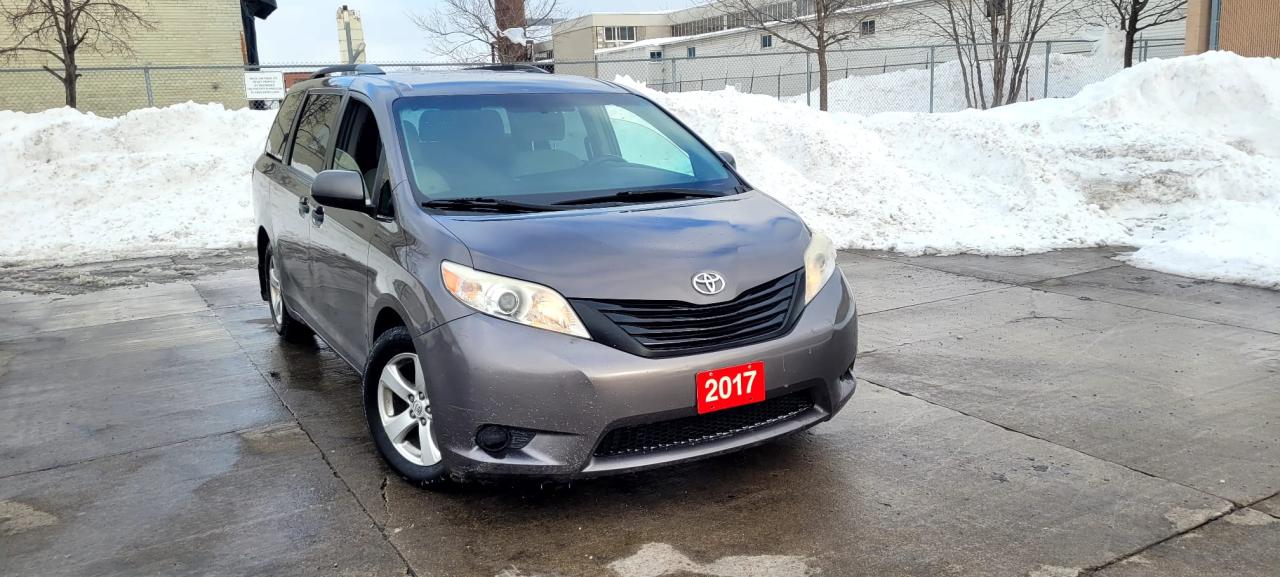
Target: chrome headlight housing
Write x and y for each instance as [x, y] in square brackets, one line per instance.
[819, 264]
[512, 299]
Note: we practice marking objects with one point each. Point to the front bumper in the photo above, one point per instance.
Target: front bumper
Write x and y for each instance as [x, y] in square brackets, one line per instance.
[481, 370]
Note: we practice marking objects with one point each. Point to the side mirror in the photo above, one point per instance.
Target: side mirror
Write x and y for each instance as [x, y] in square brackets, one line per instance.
[728, 158]
[339, 189]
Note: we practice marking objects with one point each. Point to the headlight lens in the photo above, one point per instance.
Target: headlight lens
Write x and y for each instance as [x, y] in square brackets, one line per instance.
[819, 265]
[513, 300]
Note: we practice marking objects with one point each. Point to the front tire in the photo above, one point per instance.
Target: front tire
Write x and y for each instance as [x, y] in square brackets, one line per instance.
[282, 320]
[399, 411]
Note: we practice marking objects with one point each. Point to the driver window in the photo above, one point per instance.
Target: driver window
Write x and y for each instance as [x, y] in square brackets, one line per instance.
[360, 148]
[640, 143]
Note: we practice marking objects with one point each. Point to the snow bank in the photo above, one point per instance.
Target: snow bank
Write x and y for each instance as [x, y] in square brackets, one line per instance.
[78, 187]
[1178, 157]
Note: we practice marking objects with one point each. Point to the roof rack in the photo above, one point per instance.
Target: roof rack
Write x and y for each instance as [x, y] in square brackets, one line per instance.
[512, 68]
[356, 68]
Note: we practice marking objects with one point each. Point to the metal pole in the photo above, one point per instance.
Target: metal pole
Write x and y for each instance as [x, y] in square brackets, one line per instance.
[931, 68]
[1048, 49]
[1215, 20]
[675, 73]
[808, 82]
[146, 79]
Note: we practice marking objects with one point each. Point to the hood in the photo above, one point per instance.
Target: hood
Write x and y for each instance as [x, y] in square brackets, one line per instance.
[644, 252]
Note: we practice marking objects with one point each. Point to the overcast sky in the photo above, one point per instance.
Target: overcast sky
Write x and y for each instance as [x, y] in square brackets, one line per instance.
[306, 31]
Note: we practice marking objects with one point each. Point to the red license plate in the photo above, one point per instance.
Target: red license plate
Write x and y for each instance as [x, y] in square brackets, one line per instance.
[730, 387]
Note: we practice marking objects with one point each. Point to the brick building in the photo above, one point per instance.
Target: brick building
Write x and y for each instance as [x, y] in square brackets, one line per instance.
[184, 33]
[1246, 27]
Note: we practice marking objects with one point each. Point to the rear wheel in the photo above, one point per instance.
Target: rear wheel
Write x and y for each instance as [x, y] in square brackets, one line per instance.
[399, 411]
[284, 322]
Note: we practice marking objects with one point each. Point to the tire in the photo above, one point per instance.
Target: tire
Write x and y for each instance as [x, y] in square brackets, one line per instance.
[398, 410]
[285, 323]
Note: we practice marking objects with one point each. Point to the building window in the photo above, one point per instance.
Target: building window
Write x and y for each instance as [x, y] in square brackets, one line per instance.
[655, 55]
[868, 27]
[620, 33]
[766, 41]
[691, 52]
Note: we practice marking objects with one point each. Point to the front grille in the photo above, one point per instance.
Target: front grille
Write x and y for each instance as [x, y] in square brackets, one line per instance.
[669, 328]
[686, 431]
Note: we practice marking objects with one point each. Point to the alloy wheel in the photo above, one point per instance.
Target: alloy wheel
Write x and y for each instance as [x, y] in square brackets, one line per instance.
[405, 411]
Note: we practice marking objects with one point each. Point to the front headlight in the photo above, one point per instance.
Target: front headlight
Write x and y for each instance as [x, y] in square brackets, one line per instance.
[819, 265]
[513, 300]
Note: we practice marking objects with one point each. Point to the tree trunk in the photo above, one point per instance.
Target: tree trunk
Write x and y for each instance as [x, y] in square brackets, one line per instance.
[823, 74]
[510, 14]
[1128, 49]
[1130, 31]
[69, 77]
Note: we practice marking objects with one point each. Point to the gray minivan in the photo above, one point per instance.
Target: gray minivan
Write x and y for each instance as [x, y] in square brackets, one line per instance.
[542, 275]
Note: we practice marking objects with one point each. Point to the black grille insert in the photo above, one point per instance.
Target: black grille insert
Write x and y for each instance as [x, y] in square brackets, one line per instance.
[687, 431]
[669, 328]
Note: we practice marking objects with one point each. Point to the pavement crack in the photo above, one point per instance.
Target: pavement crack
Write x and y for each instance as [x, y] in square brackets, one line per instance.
[386, 503]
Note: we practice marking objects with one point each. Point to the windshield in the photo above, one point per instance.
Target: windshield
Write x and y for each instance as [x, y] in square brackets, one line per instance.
[551, 148]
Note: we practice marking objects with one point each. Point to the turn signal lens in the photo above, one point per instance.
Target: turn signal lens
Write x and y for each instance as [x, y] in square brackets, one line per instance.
[819, 264]
[511, 299]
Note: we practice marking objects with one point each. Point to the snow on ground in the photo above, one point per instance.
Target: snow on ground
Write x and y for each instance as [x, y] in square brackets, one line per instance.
[1176, 157]
[77, 187]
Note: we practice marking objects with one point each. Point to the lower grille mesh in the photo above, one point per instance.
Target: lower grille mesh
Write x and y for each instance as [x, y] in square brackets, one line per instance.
[686, 431]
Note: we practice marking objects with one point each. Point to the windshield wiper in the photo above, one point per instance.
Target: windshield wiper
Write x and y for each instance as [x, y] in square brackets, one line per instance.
[643, 195]
[478, 203]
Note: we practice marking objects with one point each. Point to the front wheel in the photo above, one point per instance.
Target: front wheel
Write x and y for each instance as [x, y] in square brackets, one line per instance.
[398, 409]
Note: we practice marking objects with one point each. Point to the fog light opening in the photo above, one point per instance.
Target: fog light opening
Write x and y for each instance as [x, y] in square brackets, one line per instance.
[492, 438]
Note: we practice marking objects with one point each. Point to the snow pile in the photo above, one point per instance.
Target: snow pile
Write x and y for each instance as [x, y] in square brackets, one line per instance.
[1179, 158]
[77, 187]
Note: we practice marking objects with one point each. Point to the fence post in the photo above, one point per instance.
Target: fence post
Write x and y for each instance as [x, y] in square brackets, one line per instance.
[146, 79]
[675, 73]
[808, 82]
[1048, 49]
[932, 49]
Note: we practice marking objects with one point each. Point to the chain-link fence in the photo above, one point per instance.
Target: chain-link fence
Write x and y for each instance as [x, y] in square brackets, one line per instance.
[911, 78]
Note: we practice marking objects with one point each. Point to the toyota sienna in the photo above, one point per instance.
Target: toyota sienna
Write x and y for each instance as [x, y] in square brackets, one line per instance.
[542, 275]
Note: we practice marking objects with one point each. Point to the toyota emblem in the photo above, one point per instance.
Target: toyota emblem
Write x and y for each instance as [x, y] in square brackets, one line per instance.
[708, 282]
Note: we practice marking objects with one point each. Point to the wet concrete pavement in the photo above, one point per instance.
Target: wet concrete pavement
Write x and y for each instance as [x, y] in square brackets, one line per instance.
[1050, 415]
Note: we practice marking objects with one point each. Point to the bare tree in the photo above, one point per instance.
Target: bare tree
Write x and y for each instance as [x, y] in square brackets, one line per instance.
[61, 29]
[814, 26]
[993, 40]
[493, 30]
[1134, 16]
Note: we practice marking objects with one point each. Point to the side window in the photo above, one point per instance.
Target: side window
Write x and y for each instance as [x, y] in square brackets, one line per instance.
[359, 146]
[640, 143]
[279, 133]
[315, 127]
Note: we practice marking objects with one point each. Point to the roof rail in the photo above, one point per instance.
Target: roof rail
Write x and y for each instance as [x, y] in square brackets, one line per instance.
[356, 68]
[512, 68]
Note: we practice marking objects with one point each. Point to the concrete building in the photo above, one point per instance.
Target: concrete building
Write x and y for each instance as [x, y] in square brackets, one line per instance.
[350, 37]
[1246, 27]
[701, 47]
[184, 33]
